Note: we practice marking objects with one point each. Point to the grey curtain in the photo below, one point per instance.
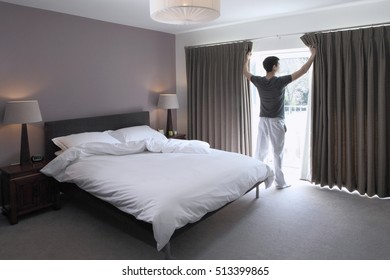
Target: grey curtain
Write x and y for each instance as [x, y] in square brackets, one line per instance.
[351, 110]
[219, 103]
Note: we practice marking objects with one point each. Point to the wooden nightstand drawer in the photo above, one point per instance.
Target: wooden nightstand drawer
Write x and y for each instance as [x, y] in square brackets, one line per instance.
[25, 190]
[32, 192]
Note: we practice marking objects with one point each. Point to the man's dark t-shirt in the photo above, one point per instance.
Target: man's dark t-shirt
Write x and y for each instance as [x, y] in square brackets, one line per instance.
[271, 95]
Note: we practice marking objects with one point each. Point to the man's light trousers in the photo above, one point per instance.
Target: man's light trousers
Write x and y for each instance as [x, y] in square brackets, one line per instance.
[272, 130]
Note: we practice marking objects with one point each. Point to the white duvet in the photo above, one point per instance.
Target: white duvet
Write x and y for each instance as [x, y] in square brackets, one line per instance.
[168, 184]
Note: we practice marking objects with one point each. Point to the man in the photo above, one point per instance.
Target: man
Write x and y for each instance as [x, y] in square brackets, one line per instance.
[271, 124]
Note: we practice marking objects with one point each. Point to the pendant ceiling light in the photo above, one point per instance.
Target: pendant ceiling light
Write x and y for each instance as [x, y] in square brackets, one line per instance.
[184, 11]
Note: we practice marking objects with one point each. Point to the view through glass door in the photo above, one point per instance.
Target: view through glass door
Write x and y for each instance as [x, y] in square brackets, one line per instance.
[296, 103]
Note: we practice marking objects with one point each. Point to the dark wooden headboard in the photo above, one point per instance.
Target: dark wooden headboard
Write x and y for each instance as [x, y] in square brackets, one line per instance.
[100, 123]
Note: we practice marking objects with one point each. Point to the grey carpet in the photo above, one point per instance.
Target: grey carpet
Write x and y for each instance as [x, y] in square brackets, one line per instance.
[302, 222]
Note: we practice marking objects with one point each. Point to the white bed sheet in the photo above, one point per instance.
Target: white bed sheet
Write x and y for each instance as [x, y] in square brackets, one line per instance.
[168, 190]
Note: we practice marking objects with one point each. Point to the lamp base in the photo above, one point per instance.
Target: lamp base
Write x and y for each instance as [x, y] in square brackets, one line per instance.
[24, 147]
[169, 131]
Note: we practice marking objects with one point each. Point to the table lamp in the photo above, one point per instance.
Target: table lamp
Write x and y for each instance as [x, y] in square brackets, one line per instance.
[22, 112]
[168, 101]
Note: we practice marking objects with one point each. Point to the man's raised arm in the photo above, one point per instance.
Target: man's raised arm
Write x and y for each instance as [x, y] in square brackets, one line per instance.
[305, 67]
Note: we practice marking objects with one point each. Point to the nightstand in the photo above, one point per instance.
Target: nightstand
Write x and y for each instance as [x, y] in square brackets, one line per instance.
[24, 189]
[178, 136]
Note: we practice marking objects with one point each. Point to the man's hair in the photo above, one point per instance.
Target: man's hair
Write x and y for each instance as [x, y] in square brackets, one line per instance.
[269, 63]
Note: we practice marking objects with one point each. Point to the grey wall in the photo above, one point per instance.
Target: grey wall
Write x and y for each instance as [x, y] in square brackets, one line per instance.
[78, 67]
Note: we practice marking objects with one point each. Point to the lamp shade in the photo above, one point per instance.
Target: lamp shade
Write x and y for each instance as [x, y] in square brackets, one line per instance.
[184, 11]
[19, 112]
[168, 101]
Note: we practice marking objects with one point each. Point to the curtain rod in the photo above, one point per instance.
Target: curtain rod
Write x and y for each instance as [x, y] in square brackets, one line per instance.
[293, 34]
[352, 27]
[218, 44]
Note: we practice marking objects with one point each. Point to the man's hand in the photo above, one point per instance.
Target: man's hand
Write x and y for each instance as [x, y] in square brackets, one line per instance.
[248, 56]
[245, 71]
[313, 50]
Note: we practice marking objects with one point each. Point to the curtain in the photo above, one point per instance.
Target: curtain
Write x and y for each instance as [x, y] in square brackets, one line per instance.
[350, 110]
[219, 103]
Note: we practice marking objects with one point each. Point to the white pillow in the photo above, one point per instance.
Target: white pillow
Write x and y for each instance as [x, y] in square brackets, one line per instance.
[137, 133]
[66, 142]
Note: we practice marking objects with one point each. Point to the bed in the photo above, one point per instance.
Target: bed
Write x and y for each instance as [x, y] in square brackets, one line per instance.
[166, 183]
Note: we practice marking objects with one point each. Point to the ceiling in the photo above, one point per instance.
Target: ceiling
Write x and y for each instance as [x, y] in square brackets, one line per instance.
[136, 12]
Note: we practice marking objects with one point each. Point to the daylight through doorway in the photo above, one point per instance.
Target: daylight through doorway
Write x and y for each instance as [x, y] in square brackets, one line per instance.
[296, 104]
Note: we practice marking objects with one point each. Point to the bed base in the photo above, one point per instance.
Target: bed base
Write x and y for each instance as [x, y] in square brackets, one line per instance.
[167, 248]
[144, 230]
[103, 210]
